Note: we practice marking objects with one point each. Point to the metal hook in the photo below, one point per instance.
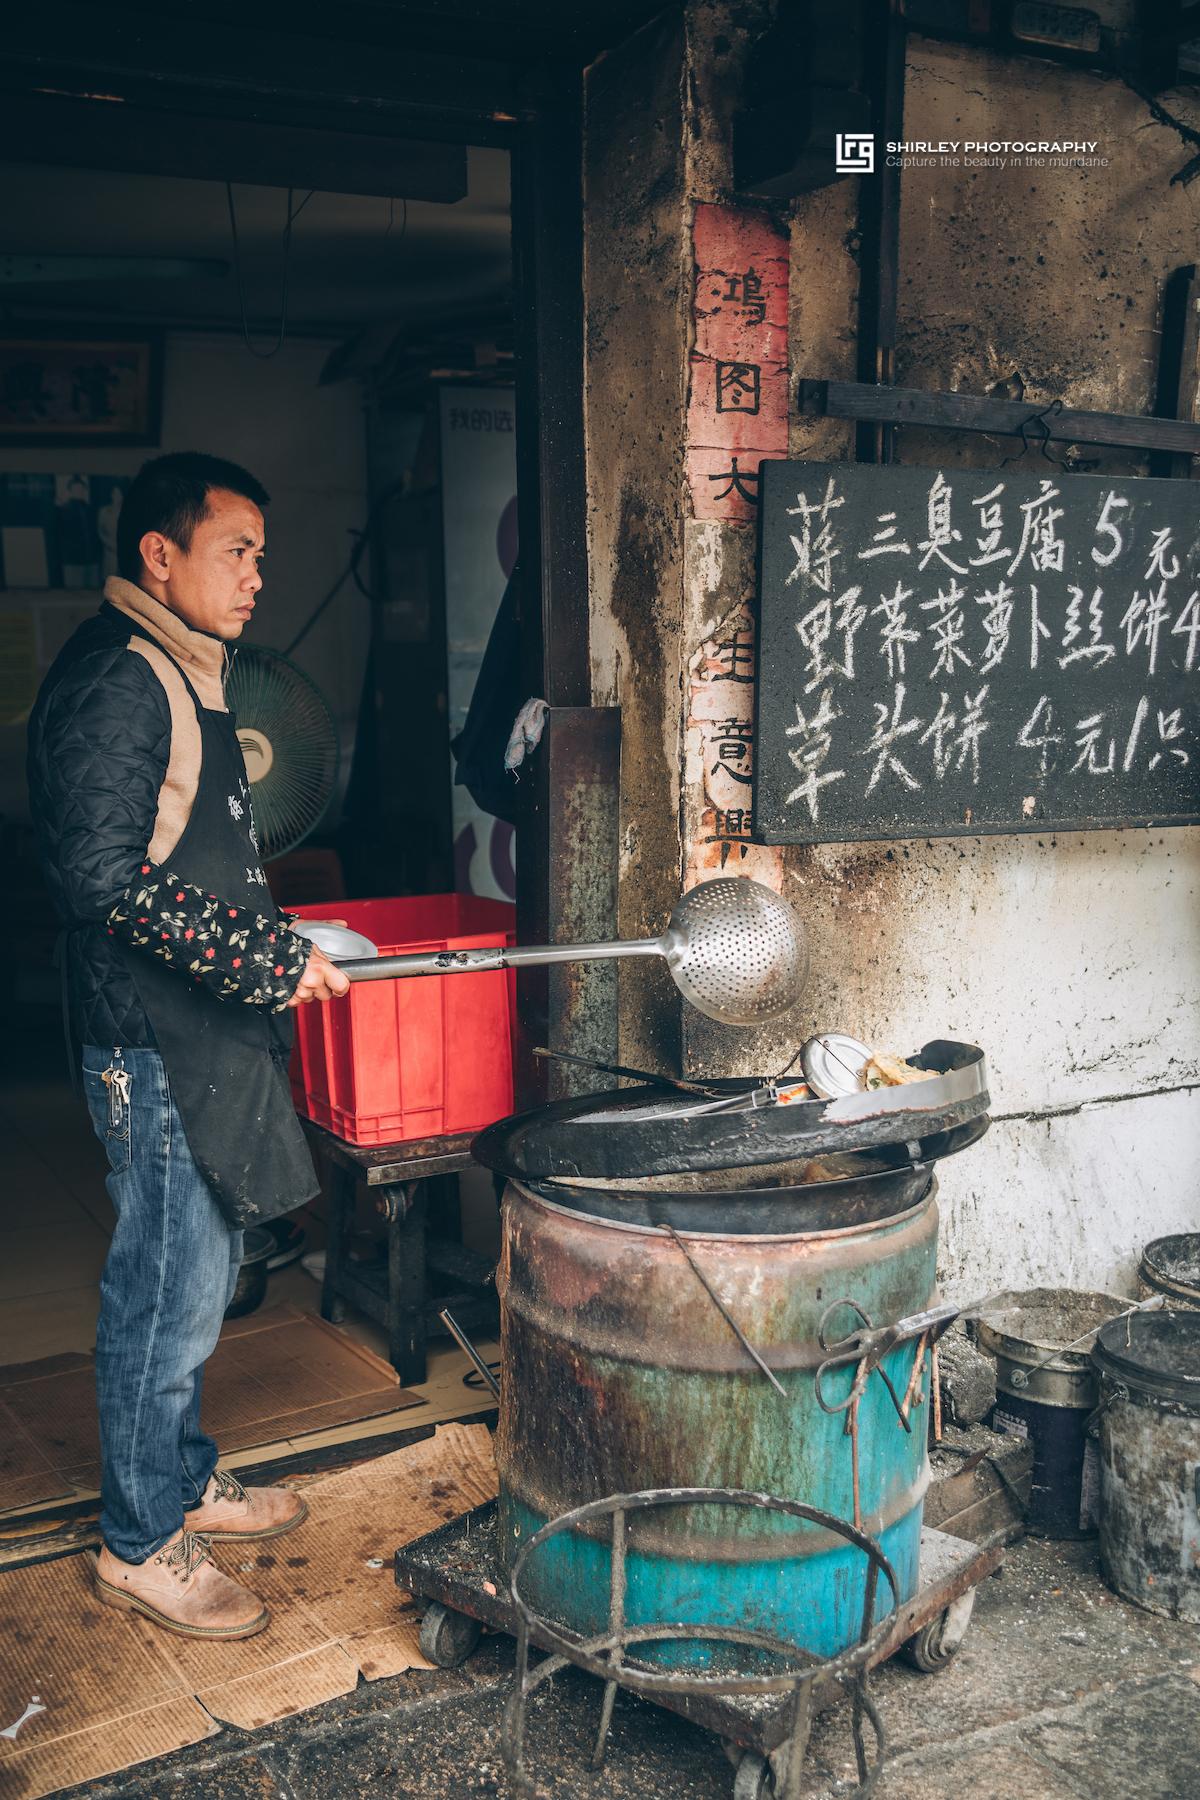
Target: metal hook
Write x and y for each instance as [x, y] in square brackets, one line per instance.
[1038, 418]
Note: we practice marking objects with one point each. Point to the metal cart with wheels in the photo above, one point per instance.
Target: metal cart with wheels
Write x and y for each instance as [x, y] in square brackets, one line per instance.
[763, 1721]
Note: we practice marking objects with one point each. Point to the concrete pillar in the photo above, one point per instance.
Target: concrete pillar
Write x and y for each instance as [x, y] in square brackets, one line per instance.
[636, 278]
[656, 142]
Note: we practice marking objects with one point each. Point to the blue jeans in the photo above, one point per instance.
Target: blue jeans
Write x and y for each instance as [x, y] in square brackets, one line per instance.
[169, 1276]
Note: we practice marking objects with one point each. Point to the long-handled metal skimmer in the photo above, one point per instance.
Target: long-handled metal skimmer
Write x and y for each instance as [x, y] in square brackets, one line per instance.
[736, 951]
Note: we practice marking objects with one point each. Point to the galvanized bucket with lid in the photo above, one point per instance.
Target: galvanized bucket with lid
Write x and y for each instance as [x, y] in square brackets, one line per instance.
[1046, 1390]
[1171, 1266]
[1149, 1430]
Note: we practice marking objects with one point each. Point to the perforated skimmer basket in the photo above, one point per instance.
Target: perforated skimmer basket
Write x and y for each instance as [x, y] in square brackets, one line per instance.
[737, 951]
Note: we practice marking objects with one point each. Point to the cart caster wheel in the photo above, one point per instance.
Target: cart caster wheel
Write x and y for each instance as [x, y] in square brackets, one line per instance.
[753, 1780]
[936, 1643]
[447, 1638]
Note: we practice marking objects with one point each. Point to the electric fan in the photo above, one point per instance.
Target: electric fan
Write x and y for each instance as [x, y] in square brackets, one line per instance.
[290, 743]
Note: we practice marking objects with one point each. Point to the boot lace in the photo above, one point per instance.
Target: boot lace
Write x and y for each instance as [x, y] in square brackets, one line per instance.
[186, 1555]
[226, 1487]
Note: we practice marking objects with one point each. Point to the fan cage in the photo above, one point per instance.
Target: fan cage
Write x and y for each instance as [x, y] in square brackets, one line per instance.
[267, 693]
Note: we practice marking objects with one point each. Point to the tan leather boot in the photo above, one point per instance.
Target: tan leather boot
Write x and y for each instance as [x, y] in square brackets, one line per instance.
[181, 1588]
[228, 1510]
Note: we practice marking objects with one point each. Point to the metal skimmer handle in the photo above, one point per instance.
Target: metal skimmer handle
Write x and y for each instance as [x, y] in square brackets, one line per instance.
[735, 949]
[499, 956]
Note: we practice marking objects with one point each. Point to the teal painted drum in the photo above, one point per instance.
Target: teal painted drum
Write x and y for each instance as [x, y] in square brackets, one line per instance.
[619, 1372]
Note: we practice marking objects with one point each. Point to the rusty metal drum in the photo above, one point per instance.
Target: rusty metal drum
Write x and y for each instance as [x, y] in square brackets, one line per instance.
[1171, 1266]
[625, 1365]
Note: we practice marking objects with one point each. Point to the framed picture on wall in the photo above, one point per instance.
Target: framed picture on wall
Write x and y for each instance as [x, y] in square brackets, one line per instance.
[59, 531]
[75, 386]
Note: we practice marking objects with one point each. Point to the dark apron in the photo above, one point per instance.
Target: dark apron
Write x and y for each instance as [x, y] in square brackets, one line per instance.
[227, 1062]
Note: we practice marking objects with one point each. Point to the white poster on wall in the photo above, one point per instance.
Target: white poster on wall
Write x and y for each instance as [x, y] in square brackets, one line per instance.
[479, 508]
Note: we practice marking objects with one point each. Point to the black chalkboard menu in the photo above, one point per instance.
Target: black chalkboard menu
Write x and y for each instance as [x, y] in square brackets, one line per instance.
[962, 651]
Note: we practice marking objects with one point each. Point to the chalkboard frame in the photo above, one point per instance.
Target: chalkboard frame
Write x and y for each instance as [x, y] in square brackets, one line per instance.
[776, 830]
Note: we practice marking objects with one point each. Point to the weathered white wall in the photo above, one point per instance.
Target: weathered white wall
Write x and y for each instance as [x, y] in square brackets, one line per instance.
[1074, 960]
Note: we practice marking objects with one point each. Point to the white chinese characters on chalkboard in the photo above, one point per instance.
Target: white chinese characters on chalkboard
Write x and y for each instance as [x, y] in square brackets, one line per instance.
[948, 651]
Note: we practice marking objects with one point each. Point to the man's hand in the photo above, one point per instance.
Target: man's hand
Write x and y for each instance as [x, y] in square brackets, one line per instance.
[321, 980]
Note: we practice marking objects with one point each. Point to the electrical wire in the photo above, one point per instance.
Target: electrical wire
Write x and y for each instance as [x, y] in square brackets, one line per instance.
[292, 216]
[385, 495]
[362, 539]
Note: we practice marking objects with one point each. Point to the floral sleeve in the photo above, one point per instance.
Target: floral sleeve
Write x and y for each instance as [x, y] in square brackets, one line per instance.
[238, 952]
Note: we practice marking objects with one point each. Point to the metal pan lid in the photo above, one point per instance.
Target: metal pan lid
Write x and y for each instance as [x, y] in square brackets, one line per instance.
[833, 1064]
[642, 1131]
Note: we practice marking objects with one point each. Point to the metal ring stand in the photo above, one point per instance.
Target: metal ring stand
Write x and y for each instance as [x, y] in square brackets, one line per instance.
[605, 1656]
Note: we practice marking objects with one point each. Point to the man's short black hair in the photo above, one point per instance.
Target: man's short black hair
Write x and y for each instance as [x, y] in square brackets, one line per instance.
[170, 494]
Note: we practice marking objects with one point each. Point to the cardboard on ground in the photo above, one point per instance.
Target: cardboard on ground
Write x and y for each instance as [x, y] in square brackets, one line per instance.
[115, 1690]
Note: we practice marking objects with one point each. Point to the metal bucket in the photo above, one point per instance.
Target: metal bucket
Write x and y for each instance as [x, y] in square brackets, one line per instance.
[620, 1371]
[1045, 1393]
[1149, 1373]
[251, 1288]
[1171, 1266]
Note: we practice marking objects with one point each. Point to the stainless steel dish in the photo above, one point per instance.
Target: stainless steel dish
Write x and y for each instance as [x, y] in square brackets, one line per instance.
[339, 943]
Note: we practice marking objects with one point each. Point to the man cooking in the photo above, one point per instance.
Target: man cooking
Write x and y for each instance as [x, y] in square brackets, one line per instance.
[179, 975]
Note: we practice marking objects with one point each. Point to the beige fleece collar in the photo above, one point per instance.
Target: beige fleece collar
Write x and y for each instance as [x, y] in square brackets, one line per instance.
[202, 657]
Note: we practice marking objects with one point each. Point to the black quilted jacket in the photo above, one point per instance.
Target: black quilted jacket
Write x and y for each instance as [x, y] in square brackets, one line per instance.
[99, 745]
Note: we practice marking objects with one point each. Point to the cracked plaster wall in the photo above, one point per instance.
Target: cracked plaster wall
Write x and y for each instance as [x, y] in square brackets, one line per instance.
[1074, 960]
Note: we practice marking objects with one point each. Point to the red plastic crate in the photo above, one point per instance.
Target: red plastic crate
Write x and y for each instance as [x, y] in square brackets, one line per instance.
[415, 1058]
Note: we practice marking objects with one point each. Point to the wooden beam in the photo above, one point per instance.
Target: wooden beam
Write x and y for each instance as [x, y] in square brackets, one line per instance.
[1000, 418]
[879, 223]
[1178, 363]
[281, 77]
[562, 817]
[547, 215]
[142, 140]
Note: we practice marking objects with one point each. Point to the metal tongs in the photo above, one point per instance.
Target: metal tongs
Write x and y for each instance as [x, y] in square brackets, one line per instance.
[867, 1348]
[864, 1350]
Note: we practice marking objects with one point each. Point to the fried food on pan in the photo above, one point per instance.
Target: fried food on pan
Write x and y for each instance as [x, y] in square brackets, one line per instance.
[891, 1071]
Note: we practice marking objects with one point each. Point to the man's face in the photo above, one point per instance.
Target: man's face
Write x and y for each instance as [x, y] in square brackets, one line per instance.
[212, 584]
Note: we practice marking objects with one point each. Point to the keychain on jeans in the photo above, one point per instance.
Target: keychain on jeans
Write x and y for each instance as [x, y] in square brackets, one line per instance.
[116, 1080]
